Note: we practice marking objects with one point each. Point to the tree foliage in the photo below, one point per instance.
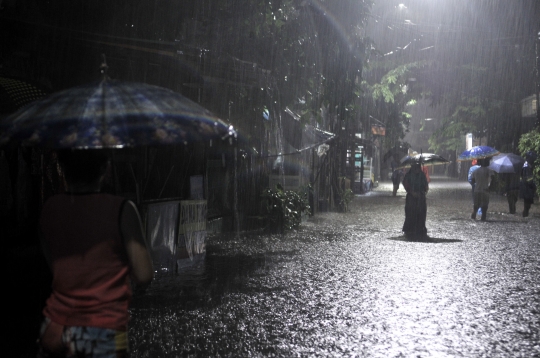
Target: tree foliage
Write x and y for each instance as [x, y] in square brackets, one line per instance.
[470, 109]
[388, 92]
[531, 142]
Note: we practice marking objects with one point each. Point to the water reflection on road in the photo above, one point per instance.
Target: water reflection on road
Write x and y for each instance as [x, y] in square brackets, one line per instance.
[348, 284]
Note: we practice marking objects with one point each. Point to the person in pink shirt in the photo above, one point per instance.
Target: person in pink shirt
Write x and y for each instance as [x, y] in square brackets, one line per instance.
[95, 246]
[426, 173]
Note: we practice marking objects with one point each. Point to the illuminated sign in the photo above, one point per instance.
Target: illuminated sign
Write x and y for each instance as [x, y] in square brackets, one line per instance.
[378, 130]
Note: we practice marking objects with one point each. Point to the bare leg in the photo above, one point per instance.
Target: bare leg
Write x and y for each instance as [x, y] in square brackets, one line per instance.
[484, 213]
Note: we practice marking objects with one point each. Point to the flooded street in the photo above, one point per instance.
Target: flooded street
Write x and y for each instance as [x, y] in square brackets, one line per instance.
[349, 284]
[138, 135]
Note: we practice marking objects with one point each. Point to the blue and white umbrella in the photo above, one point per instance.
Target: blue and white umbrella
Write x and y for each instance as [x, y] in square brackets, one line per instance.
[478, 152]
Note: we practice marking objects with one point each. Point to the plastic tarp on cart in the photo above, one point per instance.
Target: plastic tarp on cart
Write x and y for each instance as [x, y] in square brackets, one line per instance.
[162, 233]
[191, 232]
[176, 233]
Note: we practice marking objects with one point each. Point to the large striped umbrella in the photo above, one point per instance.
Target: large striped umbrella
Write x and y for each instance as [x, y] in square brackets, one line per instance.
[16, 93]
[112, 114]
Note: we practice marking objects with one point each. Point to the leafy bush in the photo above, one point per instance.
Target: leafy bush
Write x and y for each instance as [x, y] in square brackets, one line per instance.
[344, 195]
[284, 208]
[531, 141]
[345, 198]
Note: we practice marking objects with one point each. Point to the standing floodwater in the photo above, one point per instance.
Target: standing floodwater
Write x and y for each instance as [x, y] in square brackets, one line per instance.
[349, 284]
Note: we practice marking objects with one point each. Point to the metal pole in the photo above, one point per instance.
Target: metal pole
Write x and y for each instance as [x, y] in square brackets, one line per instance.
[538, 78]
[362, 151]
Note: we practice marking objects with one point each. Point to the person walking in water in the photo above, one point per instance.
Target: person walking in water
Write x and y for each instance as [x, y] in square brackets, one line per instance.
[469, 176]
[416, 185]
[511, 190]
[481, 178]
[94, 244]
[397, 175]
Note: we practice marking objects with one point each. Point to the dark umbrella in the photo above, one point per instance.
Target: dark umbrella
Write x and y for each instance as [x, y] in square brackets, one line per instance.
[112, 114]
[507, 163]
[478, 152]
[426, 159]
[16, 93]
[396, 152]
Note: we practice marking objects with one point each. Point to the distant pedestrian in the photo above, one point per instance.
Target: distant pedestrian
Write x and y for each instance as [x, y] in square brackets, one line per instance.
[527, 185]
[416, 185]
[511, 190]
[425, 170]
[397, 176]
[481, 178]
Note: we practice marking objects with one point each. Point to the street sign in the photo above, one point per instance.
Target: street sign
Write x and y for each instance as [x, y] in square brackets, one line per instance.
[378, 130]
[528, 107]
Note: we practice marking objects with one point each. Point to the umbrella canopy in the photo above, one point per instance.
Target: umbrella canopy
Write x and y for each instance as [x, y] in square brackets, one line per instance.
[112, 114]
[425, 159]
[17, 92]
[478, 152]
[507, 163]
[395, 152]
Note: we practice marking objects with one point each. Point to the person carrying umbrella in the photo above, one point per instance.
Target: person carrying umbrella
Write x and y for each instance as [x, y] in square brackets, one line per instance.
[481, 179]
[469, 178]
[527, 184]
[416, 185]
[425, 170]
[508, 166]
[94, 243]
[511, 190]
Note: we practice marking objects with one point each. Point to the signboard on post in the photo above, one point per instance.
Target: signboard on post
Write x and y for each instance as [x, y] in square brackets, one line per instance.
[528, 107]
[378, 129]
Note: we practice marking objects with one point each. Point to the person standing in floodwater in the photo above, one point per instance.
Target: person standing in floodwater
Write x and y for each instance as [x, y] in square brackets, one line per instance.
[94, 244]
[397, 176]
[416, 185]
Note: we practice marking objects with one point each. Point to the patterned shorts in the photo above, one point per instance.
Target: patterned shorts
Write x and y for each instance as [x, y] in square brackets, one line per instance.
[81, 341]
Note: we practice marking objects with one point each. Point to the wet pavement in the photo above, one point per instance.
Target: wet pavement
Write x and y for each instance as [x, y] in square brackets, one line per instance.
[350, 285]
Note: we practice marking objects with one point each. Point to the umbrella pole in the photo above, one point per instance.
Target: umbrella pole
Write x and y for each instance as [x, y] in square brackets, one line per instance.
[137, 193]
[166, 181]
[149, 169]
[115, 176]
[235, 183]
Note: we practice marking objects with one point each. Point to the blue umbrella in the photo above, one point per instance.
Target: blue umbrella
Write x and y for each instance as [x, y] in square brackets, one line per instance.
[112, 114]
[478, 152]
[507, 163]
